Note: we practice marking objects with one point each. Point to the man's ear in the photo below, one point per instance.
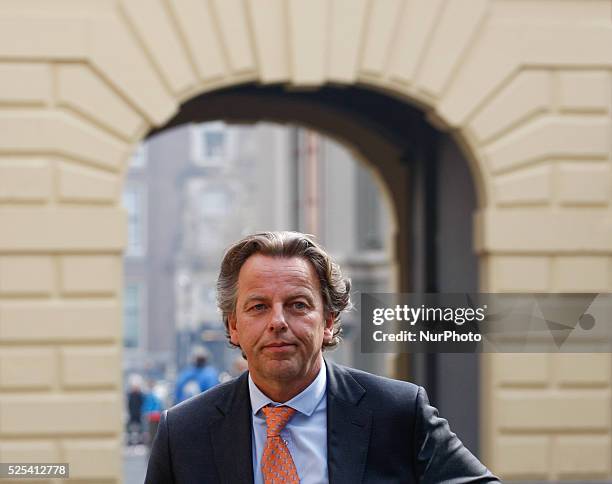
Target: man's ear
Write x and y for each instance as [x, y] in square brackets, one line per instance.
[233, 331]
[328, 331]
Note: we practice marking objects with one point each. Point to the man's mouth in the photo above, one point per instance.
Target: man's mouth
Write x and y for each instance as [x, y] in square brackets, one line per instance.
[278, 346]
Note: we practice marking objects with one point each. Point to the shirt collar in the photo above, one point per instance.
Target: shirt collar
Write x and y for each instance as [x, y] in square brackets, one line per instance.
[304, 402]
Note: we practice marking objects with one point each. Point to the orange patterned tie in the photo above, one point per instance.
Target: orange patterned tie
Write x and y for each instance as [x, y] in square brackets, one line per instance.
[276, 462]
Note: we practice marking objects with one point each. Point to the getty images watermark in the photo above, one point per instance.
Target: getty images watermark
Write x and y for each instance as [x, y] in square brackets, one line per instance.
[477, 322]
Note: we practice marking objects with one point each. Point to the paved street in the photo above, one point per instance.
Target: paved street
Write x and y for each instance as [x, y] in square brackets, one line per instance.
[134, 464]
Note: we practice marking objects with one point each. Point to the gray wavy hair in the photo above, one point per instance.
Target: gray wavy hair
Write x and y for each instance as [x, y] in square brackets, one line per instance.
[335, 289]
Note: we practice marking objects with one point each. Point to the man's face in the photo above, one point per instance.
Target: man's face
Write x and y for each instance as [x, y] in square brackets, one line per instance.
[279, 321]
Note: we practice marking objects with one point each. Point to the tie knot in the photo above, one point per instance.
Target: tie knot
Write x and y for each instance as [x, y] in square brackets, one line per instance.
[277, 418]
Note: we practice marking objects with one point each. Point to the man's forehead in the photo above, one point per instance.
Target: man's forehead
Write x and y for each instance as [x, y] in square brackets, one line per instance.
[260, 269]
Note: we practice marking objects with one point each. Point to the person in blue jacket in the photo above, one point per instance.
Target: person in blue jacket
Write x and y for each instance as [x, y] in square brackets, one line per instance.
[197, 377]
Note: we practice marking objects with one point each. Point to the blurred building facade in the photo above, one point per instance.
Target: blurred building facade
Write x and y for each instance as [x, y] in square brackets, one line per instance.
[193, 190]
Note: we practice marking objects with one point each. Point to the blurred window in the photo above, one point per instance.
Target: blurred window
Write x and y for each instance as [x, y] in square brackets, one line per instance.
[210, 144]
[134, 203]
[214, 202]
[139, 157]
[133, 303]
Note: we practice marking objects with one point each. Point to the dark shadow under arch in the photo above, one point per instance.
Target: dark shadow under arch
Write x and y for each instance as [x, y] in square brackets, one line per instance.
[399, 123]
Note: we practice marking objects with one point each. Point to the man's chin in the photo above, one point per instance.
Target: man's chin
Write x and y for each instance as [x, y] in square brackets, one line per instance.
[281, 370]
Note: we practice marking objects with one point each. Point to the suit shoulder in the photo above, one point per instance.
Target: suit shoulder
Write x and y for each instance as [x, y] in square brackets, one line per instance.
[391, 390]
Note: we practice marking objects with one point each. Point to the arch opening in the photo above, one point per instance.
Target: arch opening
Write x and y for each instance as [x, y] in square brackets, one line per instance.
[429, 186]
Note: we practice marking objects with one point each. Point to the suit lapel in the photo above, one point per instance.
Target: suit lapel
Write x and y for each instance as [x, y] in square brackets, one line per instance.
[348, 427]
[231, 435]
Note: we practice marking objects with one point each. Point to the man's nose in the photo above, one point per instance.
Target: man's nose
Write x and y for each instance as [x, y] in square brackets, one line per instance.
[277, 318]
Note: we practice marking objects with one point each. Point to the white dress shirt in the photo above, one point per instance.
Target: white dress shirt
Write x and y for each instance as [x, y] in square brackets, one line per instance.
[305, 434]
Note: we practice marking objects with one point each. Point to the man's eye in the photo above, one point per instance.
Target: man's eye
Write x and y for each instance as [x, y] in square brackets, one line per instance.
[258, 307]
[299, 305]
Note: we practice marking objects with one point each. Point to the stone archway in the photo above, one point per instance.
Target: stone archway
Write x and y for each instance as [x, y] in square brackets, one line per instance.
[524, 87]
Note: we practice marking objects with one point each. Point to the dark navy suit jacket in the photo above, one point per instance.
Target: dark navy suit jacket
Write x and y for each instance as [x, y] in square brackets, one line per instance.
[378, 431]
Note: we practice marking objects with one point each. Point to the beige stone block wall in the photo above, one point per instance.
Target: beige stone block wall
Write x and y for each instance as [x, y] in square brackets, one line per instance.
[80, 89]
[28, 368]
[102, 363]
[155, 29]
[524, 87]
[81, 184]
[269, 31]
[24, 179]
[196, 22]
[308, 66]
[65, 135]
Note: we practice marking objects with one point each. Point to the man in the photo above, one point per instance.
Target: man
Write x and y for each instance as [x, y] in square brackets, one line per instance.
[135, 399]
[294, 417]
